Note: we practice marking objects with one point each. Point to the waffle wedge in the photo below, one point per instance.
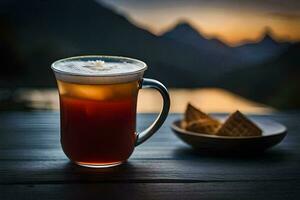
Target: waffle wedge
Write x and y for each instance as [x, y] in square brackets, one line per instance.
[238, 124]
[194, 114]
[207, 126]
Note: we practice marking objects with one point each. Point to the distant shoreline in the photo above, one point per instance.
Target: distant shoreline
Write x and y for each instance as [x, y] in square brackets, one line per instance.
[208, 99]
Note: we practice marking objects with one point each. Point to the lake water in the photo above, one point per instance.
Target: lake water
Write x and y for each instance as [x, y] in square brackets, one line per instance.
[207, 99]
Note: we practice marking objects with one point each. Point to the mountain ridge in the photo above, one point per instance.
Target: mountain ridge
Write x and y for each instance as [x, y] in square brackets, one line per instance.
[253, 52]
[275, 81]
[266, 34]
[185, 25]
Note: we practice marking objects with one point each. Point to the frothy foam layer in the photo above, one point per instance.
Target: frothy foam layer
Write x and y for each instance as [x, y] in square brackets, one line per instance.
[97, 71]
[96, 67]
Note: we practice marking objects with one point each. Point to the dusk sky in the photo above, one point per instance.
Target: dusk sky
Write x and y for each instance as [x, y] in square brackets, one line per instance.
[232, 21]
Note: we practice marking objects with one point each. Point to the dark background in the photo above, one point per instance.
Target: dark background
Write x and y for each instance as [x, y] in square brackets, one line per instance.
[35, 33]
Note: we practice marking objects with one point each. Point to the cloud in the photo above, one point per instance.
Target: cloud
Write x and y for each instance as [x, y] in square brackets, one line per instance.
[284, 15]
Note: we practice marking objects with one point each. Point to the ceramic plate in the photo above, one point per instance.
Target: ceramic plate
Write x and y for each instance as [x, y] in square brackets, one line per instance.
[273, 133]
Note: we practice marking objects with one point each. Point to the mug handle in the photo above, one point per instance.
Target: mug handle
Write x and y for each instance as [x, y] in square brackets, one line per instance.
[146, 134]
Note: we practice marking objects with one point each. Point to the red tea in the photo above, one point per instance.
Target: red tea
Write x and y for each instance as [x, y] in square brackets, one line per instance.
[98, 122]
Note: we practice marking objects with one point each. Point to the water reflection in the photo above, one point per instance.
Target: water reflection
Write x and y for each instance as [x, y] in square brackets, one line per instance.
[208, 99]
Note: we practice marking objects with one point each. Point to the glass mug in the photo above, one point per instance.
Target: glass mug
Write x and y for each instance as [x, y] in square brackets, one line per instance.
[98, 99]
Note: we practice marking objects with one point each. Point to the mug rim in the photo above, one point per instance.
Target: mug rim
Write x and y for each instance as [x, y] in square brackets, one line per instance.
[135, 61]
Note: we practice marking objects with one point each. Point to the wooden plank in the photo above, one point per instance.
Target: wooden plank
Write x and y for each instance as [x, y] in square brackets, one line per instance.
[40, 141]
[152, 191]
[41, 131]
[149, 171]
[286, 153]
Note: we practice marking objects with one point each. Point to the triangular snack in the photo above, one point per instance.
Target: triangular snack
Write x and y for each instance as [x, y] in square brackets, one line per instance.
[194, 114]
[206, 126]
[239, 125]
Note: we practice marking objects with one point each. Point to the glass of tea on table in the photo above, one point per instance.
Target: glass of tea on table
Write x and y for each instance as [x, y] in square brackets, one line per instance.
[98, 99]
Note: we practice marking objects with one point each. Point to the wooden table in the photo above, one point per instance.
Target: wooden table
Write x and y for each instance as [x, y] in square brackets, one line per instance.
[33, 166]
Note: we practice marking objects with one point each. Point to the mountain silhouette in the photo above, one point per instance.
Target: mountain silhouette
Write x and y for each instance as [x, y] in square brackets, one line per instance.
[245, 54]
[211, 49]
[275, 82]
[186, 33]
[264, 49]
